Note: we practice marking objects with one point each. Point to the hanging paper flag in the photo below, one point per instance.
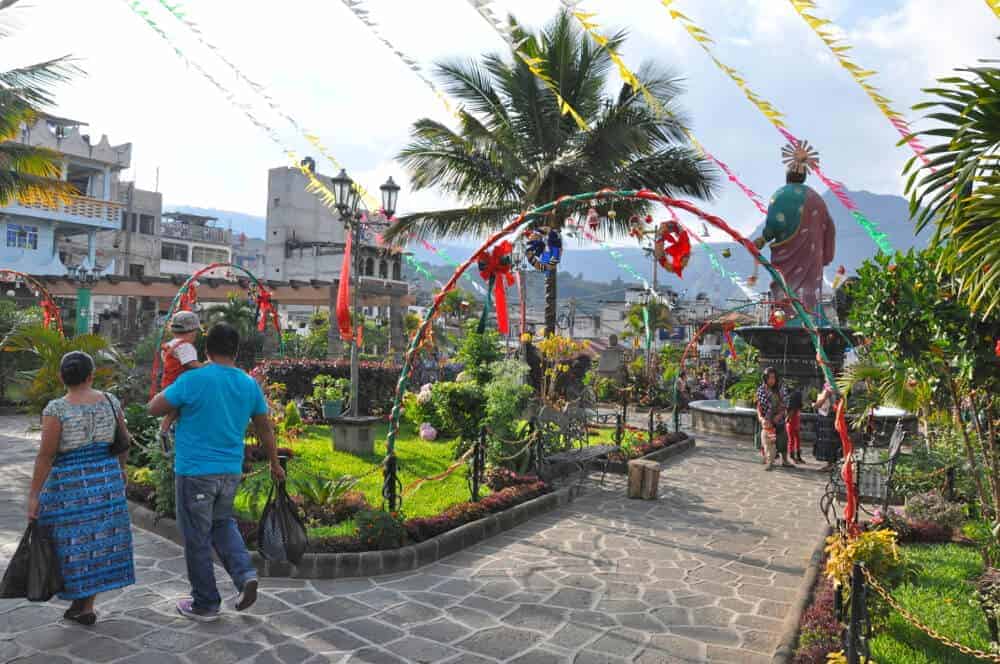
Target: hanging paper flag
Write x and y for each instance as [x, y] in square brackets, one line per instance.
[344, 294]
[777, 119]
[495, 267]
[533, 63]
[839, 49]
[586, 20]
[995, 6]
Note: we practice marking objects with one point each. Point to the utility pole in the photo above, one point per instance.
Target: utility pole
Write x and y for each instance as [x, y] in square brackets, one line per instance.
[127, 257]
[572, 316]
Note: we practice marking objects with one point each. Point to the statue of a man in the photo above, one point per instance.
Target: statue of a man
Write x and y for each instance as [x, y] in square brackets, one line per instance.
[800, 231]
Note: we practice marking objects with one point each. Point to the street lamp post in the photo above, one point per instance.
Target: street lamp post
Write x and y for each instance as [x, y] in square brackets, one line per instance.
[348, 200]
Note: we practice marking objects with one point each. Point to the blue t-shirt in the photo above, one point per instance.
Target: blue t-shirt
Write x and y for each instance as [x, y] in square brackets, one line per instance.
[215, 403]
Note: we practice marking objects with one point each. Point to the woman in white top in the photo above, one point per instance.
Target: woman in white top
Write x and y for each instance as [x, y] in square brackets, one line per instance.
[827, 446]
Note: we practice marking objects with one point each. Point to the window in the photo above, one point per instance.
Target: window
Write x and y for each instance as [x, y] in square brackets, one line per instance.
[383, 270]
[209, 255]
[396, 271]
[136, 271]
[369, 268]
[174, 252]
[22, 236]
[147, 224]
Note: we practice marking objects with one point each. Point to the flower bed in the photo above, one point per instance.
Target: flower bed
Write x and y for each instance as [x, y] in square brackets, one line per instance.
[376, 388]
[641, 449]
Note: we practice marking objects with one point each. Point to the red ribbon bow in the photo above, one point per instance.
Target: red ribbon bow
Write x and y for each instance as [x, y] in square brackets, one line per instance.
[495, 266]
[673, 244]
[847, 472]
[50, 314]
[266, 311]
[188, 298]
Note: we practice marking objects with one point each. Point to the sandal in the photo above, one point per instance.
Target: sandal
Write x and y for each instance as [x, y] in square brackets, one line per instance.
[85, 619]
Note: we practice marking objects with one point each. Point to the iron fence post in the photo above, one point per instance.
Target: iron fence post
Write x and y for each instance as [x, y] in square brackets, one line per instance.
[478, 463]
[855, 627]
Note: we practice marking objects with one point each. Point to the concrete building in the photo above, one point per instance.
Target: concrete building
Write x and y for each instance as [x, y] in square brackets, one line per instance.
[191, 242]
[38, 236]
[250, 253]
[305, 242]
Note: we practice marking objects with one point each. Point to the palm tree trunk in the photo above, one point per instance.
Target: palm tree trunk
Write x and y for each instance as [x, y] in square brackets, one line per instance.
[551, 293]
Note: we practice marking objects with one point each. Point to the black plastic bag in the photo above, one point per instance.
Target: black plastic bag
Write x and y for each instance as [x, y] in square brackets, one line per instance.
[34, 571]
[281, 535]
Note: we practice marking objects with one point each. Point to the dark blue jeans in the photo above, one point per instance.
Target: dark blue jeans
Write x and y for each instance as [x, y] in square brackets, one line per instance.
[205, 517]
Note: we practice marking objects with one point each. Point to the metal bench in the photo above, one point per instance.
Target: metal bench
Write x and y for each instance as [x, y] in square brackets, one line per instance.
[873, 479]
[561, 440]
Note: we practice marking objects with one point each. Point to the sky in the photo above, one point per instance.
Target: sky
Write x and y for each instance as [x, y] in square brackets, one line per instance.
[334, 78]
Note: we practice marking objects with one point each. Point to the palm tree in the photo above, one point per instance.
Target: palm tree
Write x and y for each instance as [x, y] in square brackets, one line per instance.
[514, 150]
[959, 189]
[236, 312]
[659, 318]
[26, 172]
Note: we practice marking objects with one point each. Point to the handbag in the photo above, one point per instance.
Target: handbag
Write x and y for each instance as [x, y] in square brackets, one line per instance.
[34, 572]
[122, 439]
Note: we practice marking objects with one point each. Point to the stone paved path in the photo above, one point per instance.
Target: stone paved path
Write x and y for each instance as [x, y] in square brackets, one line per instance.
[706, 573]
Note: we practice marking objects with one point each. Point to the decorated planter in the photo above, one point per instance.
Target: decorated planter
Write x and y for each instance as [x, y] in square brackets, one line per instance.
[332, 409]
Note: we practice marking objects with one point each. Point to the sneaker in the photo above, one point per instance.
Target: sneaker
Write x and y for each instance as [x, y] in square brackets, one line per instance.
[247, 596]
[186, 608]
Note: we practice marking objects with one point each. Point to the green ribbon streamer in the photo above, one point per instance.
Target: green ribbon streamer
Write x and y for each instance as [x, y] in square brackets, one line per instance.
[645, 322]
[880, 238]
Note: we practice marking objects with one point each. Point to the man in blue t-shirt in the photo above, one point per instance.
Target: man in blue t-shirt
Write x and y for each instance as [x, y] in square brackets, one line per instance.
[215, 404]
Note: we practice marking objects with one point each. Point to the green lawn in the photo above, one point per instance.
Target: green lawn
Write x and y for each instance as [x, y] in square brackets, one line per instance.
[940, 595]
[416, 458]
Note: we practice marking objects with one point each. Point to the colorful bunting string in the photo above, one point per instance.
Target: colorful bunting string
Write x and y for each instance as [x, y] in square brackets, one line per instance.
[443, 255]
[995, 6]
[358, 9]
[316, 186]
[532, 62]
[776, 118]
[586, 20]
[807, 10]
[619, 260]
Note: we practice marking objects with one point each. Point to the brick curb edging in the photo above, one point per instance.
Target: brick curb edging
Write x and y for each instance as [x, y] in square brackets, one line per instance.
[785, 649]
[372, 563]
[661, 454]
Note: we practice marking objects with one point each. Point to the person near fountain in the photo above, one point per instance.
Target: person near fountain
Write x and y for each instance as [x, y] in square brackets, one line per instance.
[771, 412]
[800, 230]
[792, 426]
[724, 380]
[827, 446]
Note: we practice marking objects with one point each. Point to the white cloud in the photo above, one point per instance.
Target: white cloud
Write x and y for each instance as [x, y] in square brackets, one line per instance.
[337, 80]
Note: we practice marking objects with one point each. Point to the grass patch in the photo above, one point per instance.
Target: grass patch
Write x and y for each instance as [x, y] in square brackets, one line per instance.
[940, 595]
[344, 528]
[417, 458]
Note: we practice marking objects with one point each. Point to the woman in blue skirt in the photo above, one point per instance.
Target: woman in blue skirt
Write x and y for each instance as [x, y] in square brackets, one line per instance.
[78, 490]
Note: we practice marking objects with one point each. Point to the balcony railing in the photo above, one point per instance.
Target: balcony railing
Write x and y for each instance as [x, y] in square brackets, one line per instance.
[182, 231]
[80, 206]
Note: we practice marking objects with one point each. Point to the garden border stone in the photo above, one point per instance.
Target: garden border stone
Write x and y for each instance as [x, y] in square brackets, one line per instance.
[659, 455]
[391, 561]
[785, 650]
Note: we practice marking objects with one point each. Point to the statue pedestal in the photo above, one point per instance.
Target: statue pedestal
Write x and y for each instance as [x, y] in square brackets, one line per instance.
[354, 434]
[791, 352]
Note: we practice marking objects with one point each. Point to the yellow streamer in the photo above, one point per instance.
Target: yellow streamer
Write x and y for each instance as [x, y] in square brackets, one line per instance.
[995, 6]
[532, 63]
[807, 10]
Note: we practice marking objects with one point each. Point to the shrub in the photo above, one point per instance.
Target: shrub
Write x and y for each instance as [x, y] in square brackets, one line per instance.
[478, 353]
[380, 530]
[421, 529]
[417, 411]
[932, 507]
[893, 520]
[877, 549]
[459, 408]
[376, 387]
[143, 476]
[506, 397]
[819, 629]
[319, 492]
[498, 479]
[348, 506]
[328, 388]
[929, 532]
[145, 430]
[293, 420]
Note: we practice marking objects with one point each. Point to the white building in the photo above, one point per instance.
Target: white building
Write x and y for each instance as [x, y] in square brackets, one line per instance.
[34, 231]
[190, 242]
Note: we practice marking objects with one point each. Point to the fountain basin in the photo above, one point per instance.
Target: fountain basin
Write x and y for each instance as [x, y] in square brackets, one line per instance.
[721, 417]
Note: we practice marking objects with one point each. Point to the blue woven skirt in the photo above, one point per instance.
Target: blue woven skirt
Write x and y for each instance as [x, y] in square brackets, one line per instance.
[83, 505]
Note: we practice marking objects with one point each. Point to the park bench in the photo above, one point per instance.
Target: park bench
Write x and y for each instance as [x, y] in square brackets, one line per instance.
[563, 440]
[873, 474]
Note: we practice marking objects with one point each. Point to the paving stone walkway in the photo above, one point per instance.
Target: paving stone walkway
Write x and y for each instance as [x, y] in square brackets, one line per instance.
[705, 574]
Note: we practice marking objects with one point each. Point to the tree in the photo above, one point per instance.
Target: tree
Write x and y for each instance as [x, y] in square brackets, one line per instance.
[659, 318]
[26, 172]
[13, 318]
[238, 313]
[959, 189]
[925, 347]
[514, 150]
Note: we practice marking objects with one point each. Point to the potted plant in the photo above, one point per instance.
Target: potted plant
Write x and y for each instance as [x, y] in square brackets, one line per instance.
[329, 394]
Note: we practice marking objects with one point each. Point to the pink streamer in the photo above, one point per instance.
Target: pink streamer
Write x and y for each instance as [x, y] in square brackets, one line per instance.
[750, 193]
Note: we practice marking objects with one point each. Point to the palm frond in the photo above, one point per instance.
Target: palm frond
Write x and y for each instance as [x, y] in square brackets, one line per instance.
[454, 223]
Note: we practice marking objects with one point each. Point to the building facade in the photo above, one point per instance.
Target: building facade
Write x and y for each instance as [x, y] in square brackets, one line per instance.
[191, 242]
[38, 236]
